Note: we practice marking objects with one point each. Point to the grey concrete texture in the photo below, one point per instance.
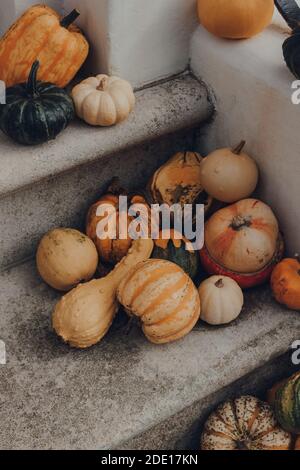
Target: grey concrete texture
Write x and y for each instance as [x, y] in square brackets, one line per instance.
[183, 430]
[52, 396]
[64, 200]
[165, 108]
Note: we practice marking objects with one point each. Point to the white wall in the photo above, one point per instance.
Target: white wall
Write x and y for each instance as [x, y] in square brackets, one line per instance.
[253, 92]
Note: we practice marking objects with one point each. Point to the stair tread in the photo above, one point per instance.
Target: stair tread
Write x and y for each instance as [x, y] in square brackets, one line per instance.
[161, 109]
[52, 396]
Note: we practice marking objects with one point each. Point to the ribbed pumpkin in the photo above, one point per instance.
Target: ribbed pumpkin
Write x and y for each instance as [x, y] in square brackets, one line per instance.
[285, 282]
[245, 423]
[287, 404]
[41, 34]
[178, 250]
[178, 181]
[35, 112]
[84, 315]
[291, 50]
[242, 237]
[112, 250]
[163, 297]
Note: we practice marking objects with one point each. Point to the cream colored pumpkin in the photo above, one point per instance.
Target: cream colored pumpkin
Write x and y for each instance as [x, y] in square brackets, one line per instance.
[103, 100]
[242, 237]
[229, 175]
[222, 300]
[66, 257]
[84, 315]
[163, 297]
[245, 423]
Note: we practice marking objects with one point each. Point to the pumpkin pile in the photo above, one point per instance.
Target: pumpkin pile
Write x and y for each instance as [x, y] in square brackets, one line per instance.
[39, 56]
[247, 423]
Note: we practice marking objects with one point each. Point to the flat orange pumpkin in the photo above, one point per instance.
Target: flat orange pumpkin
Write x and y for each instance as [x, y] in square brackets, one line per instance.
[41, 34]
[285, 282]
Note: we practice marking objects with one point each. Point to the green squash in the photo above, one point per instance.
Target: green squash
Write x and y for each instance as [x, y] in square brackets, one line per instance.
[287, 404]
[175, 250]
[35, 112]
[291, 46]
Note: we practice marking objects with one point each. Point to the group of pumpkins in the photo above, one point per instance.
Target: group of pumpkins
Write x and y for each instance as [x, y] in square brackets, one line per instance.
[153, 279]
[40, 55]
[247, 423]
[236, 19]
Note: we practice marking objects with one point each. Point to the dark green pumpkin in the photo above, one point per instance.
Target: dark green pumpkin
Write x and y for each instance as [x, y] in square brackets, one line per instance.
[35, 112]
[291, 46]
[287, 404]
[175, 251]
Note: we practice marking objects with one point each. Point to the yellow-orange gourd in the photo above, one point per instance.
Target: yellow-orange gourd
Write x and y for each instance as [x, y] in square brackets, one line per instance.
[84, 315]
[41, 34]
[66, 257]
[285, 282]
[235, 19]
[163, 297]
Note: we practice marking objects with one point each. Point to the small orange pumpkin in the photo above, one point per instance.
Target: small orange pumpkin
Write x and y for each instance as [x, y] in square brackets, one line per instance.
[285, 283]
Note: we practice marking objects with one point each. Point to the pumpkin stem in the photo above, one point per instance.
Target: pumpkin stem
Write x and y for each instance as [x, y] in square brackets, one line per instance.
[239, 222]
[70, 18]
[237, 150]
[219, 283]
[102, 84]
[32, 80]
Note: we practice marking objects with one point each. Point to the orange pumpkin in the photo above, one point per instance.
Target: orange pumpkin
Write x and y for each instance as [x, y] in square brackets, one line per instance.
[41, 34]
[285, 282]
[112, 250]
[242, 237]
[297, 445]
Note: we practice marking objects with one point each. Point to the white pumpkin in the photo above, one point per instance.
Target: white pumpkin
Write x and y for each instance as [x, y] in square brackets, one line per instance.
[103, 100]
[66, 257]
[222, 300]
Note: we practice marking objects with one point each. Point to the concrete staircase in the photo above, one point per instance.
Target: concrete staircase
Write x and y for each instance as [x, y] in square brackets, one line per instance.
[124, 392]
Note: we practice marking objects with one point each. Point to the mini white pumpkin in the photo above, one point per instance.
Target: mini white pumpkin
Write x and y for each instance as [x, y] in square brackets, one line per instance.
[222, 300]
[103, 100]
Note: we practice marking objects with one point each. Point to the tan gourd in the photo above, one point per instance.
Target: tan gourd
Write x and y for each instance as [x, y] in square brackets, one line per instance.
[242, 237]
[235, 19]
[66, 257]
[84, 315]
[229, 175]
[163, 297]
[222, 300]
[245, 423]
[178, 181]
[103, 100]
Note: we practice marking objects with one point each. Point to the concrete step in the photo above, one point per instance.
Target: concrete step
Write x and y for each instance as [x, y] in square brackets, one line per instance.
[52, 396]
[53, 184]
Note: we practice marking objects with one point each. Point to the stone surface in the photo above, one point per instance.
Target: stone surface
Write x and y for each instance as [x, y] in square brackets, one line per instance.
[183, 430]
[54, 397]
[163, 109]
[253, 89]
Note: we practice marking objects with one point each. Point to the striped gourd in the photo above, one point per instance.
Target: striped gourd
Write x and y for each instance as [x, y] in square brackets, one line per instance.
[245, 423]
[287, 404]
[163, 297]
[40, 34]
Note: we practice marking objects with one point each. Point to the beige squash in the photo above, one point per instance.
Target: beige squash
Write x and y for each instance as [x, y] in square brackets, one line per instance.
[66, 257]
[242, 237]
[235, 19]
[229, 175]
[84, 315]
[178, 181]
[222, 300]
[163, 297]
[245, 423]
[103, 100]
